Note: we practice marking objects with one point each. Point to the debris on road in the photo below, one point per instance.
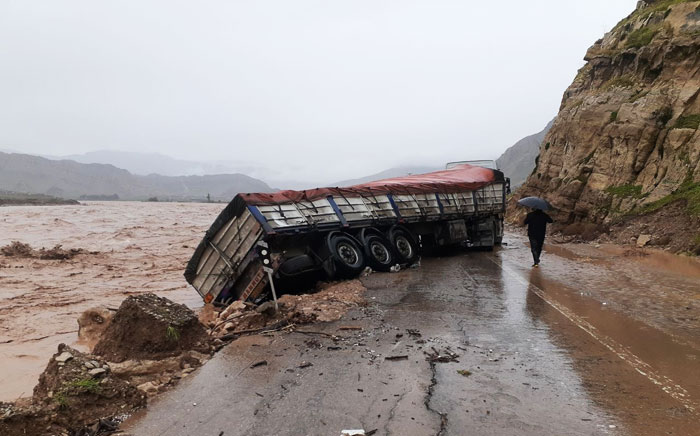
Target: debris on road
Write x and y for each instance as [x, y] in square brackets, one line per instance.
[464, 372]
[402, 357]
[330, 303]
[441, 357]
[259, 363]
[305, 364]
[413, 333]
[352, 432]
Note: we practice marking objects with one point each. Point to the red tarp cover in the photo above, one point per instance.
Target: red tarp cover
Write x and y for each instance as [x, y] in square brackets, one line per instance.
[458, 179]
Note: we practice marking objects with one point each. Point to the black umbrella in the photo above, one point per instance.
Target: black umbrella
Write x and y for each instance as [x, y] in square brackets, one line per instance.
[535, 203]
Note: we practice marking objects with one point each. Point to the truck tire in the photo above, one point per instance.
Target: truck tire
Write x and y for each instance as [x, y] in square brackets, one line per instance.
[380, 256]
[404, 245]
[346, 253]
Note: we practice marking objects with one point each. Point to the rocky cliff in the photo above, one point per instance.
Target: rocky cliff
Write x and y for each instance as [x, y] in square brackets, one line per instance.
[518, 161]
[626, 141]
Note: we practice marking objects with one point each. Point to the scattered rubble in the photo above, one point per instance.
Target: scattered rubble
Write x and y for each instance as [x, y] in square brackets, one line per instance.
[330, 303]
[441, 356]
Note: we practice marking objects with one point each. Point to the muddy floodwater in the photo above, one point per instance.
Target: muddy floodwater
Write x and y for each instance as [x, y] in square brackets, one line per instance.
[601, 339]
[136, 247]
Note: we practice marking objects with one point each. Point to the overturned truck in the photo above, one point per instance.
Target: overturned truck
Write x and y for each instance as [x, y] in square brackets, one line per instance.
[337, 232]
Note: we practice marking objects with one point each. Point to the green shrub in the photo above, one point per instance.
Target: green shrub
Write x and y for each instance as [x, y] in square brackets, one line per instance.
[688, 191]
[642, 37]
[688, 122]
[172, 334]
[625, 191]
[87, 384]
[613, 116]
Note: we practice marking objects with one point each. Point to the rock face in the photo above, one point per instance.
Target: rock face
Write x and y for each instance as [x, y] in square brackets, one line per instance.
[626, 139]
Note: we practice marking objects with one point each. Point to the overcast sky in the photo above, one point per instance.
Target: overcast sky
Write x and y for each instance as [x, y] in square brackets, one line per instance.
[310, 90]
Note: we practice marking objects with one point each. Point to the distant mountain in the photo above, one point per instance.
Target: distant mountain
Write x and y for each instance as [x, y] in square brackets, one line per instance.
[518, 161]
[70, 179]
[148, 163]
[391, 172]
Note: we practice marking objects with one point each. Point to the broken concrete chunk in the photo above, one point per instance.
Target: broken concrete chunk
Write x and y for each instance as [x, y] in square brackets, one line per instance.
[236, 306]
[64, 357]
[96, 372]
[148, 388]
[267, 307]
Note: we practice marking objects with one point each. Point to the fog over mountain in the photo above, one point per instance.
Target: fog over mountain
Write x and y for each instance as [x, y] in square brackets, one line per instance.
[303, 90]
[70, 179]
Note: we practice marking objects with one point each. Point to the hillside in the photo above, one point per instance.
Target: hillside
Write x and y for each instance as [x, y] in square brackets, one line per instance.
[625, 146]
[69, 179]
[147, 163]
[518, 161]
[391, 172]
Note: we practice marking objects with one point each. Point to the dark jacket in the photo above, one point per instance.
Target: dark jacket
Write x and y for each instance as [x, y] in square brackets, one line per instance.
[537, 224]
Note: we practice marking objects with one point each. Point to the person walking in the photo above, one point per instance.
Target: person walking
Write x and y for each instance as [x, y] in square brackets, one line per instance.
[536, 229]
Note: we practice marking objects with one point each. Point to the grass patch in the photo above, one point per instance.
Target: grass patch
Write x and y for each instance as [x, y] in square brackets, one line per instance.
[624, 81]
[688, 122]
[172, 334]
[688, 191]
[546, 146]
[625, 191]
[60, 399]
[659, 6]
[87, 384]
[613, 116]
[642, 37]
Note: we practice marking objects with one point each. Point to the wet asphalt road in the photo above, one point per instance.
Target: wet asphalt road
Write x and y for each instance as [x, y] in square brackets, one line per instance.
[538, 360]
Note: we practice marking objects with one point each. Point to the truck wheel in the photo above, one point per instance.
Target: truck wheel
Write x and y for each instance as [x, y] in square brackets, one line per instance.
[378, 252]
[347, 255]
[404, 245]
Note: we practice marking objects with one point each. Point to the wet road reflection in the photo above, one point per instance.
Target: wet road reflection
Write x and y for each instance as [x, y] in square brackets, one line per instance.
[538, 354]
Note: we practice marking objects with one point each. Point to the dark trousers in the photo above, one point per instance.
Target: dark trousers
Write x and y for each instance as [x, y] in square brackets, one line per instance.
[536, 248]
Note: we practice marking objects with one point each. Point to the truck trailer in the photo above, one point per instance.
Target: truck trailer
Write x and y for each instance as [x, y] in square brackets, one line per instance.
[335, 233]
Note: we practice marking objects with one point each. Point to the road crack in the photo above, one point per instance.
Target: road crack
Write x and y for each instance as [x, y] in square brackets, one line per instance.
[429, 396]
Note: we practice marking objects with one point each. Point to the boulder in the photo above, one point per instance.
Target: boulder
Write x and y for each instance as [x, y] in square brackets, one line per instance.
[150, 327]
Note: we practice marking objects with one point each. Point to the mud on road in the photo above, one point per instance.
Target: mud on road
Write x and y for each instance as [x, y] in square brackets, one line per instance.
[475, 343]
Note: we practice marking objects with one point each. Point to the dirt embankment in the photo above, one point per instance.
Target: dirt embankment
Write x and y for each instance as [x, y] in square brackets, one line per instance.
[9, 198]
[149, 342]
[145, 347]
[125, 249]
